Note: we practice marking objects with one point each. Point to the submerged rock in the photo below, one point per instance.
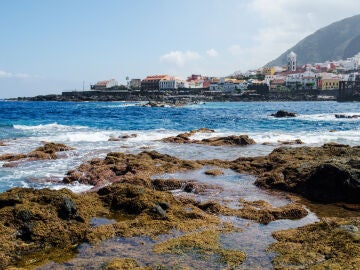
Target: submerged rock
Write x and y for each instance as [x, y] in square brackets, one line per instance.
[203, 242]
[124, 264]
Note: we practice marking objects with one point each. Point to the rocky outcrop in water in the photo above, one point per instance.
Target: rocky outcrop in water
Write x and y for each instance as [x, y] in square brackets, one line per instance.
[353, 116]
[281, 113]
[233, 140]
[47, 151]
[330, 173]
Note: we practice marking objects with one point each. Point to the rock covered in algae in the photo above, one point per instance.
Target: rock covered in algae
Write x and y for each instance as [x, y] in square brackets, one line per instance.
[128, 168]
[203, 242]
[233, 140]
[39, 225]
[124, 264]
[324, 245]
[33, 220]
[47, 151]
[260, 211]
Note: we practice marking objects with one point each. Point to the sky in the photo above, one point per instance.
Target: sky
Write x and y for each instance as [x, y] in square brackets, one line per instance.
[51, 46]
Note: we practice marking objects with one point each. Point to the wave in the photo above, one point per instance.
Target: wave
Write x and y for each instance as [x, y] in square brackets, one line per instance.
[320, 137]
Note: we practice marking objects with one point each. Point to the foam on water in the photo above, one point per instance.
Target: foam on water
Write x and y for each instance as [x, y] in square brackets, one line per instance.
[328, 117]
[52, 126]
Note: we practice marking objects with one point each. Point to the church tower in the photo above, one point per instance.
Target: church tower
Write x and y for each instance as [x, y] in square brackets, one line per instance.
[291, 60]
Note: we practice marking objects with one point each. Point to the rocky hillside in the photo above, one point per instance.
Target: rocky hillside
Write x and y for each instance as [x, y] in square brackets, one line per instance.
[338, 40]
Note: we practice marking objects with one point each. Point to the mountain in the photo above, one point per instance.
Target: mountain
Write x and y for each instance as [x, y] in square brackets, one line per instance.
[336, 41]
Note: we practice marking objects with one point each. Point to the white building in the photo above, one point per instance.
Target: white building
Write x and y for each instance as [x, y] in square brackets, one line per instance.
[229, 85]
[171, 84]
[291, 61]
[105, 84]
[305, 80]
[269, 78]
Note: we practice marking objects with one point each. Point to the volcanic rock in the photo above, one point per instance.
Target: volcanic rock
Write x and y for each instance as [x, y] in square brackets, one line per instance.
[47, 151]
[330, 173]
[281, 113]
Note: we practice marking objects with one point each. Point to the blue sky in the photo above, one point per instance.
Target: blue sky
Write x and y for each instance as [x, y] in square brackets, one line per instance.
[50, 46]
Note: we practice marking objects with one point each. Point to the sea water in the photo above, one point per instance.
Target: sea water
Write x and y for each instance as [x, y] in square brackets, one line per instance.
[87, 126]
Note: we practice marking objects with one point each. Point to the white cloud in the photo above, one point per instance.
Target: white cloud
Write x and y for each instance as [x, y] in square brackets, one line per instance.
[212, 53]
[179, 58]
[5, 74]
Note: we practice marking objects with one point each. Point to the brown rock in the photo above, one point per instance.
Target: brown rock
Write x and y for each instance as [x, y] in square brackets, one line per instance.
[214, 172]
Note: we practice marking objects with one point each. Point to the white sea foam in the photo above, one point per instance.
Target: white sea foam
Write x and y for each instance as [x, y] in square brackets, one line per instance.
[75, 187]
[52, 126]
[351, 137]
[328, 117]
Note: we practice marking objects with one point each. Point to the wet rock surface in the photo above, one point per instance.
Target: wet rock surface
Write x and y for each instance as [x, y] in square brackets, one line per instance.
[127, 168]
[40, 225]
[232, 140]
[47, 151]
[330, 173]
[324, 245]
[282, 113]
[54, 222]
[353, 116]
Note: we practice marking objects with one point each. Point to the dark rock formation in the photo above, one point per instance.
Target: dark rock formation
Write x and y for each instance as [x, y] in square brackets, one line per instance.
[215, 141]
[354, 116]
[281, 113]
[330, 173]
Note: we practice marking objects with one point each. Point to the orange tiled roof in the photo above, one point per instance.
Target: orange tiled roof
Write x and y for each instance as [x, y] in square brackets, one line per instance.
[155, 77]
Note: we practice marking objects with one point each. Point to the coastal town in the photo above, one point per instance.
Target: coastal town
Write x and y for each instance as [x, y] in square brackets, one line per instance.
[331, 80]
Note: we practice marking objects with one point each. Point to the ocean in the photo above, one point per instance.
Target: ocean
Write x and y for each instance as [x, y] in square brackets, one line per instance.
[87, 126]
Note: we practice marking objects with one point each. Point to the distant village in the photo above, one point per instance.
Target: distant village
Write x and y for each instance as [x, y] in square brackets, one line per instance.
[331, 80]
[320, 76]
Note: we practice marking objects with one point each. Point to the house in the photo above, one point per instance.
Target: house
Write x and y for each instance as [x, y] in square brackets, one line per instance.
[268, 70]
[277, 84]
[306, 80]
[152, 83]
[107, 84]
[228, 85]
[329, 83]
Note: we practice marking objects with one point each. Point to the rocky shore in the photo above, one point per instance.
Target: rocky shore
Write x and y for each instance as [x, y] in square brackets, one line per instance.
[41, 225]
